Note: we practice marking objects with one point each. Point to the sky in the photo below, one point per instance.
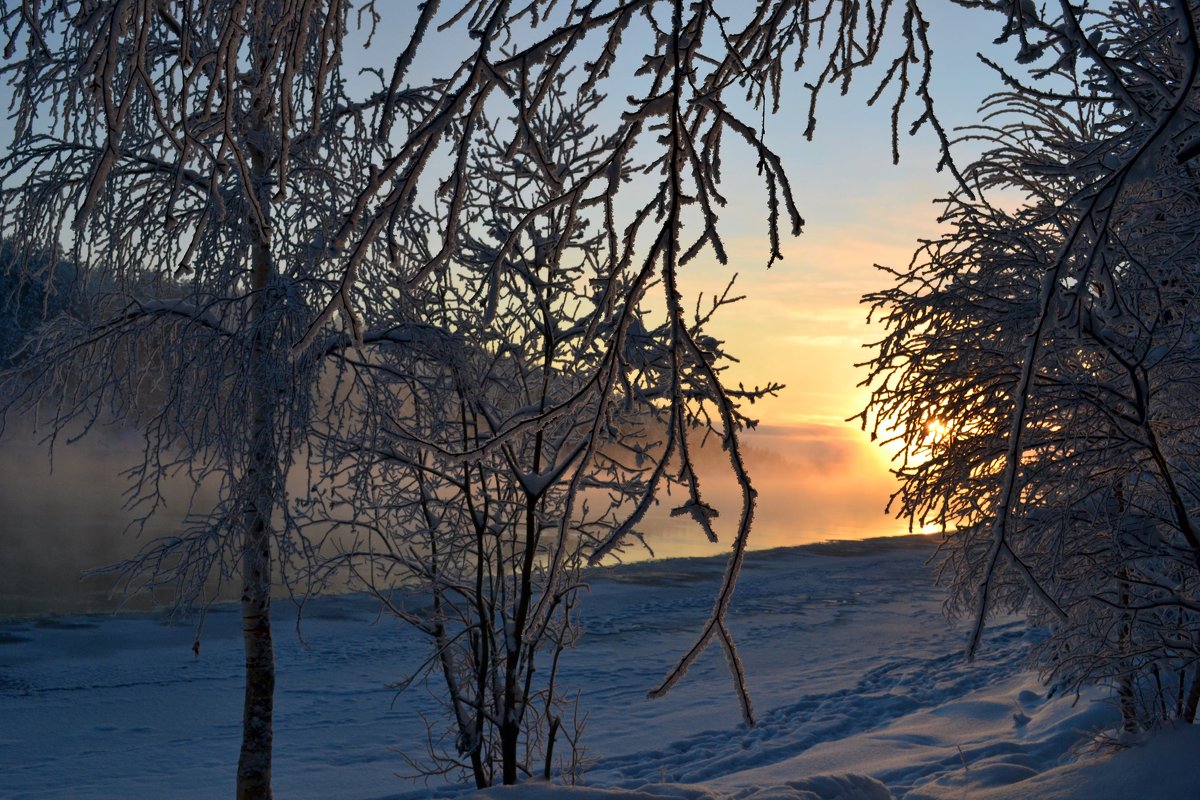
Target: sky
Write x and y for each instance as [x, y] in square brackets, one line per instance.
[801, 323]
[802, 320]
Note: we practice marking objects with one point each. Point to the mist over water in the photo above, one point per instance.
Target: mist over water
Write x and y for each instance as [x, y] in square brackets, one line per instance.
[56, 525]
[815, 483]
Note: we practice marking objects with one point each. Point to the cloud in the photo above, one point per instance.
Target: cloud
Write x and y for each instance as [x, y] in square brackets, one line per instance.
[841, 341]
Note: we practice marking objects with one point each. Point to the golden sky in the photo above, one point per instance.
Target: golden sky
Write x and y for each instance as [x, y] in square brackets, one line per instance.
[802, 324]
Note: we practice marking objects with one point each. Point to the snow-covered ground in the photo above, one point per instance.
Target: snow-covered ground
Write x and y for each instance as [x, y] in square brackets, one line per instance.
[860, 688]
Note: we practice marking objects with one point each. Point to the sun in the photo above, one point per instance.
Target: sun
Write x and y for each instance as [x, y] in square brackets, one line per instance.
[936, 430]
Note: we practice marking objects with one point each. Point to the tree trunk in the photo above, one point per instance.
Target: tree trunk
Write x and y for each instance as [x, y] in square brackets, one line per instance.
[510, 722]
[1193, 698]
[254, 762]
[1125, 681]
[510, 734]
[514, 696]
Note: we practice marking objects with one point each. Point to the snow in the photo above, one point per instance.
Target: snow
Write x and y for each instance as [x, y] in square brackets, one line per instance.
[862, 688]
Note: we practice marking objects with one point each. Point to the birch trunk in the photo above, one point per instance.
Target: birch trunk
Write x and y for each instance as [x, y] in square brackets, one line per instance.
[254, 762]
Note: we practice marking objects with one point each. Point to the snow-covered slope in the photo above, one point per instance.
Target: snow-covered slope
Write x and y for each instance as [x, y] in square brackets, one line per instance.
[858, 683]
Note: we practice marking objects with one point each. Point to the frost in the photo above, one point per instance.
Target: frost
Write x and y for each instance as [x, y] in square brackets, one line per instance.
[449, 307]
[1056, 339]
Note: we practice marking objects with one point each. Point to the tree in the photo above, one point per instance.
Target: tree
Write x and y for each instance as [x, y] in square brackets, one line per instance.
[472, 523]
[28, 297]
[1040, 361]
[662, 151]
[188, 155]
[239, 206]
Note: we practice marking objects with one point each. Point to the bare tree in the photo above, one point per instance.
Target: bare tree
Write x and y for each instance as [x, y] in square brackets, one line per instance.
[1040, 359]
[506, 450]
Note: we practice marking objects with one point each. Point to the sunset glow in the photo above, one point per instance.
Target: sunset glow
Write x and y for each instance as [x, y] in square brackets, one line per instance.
[802, 322]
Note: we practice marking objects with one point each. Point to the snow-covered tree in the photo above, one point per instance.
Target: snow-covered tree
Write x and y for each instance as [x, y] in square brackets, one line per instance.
[32, 290]
[694, 77]
[190, 157]
[509, 449]
[1041, 361]
[243, 209]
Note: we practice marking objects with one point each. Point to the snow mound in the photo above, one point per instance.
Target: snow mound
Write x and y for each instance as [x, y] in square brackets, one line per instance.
[821, 787]
[1160, 767]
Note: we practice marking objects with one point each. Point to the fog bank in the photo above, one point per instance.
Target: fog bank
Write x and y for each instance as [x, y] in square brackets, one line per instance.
[815, 482]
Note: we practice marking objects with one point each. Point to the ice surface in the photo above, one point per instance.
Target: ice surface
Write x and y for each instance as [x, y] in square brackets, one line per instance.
[862, 690]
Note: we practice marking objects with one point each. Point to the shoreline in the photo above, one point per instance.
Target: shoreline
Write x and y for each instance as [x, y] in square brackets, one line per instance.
[106, 603]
